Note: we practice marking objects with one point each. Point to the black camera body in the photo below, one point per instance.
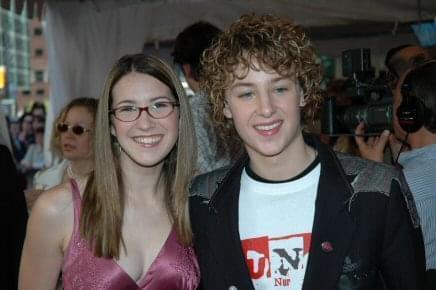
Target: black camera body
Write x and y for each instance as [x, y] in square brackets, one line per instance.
[371, 99]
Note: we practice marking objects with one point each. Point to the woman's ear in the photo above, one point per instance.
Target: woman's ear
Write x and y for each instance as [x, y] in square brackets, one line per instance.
[112, 128]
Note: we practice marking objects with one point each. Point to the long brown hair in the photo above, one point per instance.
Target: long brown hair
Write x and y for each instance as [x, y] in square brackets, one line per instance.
[104, 199]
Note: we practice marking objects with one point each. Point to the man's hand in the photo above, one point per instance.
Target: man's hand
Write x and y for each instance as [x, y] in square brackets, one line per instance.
[373, 147]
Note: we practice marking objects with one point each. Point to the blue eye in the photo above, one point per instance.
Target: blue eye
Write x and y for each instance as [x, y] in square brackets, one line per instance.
[160, 105]
[246, 95]
[281, 90]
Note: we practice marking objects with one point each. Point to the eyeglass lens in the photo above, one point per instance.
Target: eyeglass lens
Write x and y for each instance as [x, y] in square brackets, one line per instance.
[76, 129]
[158, 110]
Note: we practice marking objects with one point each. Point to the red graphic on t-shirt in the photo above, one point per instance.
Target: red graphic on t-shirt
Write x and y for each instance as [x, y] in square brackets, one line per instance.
[256, 254]
[277, 259]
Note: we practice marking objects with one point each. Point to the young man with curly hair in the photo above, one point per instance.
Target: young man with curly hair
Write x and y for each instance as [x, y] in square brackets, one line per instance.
[291, 213]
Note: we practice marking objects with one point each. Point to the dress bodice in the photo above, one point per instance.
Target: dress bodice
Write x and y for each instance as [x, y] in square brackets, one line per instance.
[175, 267]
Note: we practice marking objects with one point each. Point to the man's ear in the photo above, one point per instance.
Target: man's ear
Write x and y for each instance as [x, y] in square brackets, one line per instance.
[302, 98]
[226, 111]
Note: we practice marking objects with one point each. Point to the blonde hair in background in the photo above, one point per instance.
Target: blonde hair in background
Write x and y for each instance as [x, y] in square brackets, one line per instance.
[103, 199]
[88, 103]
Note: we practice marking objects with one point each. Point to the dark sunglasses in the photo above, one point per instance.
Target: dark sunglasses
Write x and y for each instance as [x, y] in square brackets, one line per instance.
[76, 129]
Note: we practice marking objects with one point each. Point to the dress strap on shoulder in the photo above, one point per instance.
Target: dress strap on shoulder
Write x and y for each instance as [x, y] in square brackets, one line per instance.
[77, 203]
[75, 189]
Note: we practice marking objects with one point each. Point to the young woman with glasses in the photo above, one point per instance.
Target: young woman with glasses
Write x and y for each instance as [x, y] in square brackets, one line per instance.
[71, 145]
[128, 226]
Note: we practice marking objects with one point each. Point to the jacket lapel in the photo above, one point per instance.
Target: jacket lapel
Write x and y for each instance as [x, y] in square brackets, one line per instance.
[223, 229]
[331, 235]
[333, 225]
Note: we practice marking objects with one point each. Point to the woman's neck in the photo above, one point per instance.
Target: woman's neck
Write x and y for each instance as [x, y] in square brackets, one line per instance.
[79, 168]
[142, 184]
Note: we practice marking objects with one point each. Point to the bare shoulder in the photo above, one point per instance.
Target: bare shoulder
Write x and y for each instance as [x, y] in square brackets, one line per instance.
[53, 212]
[48, 232]
[55, 202]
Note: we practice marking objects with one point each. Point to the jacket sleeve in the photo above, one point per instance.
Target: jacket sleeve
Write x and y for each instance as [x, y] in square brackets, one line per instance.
[403, 257]
[205, 260]
[13, 220]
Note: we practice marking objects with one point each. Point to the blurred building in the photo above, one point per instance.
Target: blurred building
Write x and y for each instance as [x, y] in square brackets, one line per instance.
[23, 58]
[39, 86]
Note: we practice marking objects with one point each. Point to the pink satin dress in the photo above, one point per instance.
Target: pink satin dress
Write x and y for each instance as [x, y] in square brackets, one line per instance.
[175, 267]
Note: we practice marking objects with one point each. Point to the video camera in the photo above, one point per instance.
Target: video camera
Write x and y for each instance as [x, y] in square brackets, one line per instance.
[371, 99]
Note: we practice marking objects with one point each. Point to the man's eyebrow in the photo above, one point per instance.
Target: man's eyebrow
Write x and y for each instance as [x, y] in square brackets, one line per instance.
[281, 78]
[250, 84]
[241, 84]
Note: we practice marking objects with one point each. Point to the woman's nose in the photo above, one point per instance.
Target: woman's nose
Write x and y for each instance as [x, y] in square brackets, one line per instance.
[145, 121]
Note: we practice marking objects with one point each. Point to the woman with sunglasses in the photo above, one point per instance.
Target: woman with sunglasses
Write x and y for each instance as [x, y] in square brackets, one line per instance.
[71, 145]
[128, 226]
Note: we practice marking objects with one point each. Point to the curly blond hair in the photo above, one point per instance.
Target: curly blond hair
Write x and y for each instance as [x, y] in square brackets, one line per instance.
[277, 45]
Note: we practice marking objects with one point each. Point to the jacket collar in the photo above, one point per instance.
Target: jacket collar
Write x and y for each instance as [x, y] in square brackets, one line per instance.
[332, 226]
[223, 228]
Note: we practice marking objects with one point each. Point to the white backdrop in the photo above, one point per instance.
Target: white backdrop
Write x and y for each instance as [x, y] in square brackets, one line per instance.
[85, 38]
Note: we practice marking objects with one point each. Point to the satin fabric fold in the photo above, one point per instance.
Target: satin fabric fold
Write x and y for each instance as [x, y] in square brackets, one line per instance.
[175, 267]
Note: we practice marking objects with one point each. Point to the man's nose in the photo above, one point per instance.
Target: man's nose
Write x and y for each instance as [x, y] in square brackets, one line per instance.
[265, 106]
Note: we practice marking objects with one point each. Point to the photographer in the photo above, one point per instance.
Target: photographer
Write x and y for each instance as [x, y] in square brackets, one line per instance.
[401, 58]
[369, 99]
[398, 61]
[414, 126]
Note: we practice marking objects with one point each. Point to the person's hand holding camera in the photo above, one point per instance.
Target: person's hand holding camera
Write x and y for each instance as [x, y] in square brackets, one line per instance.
[373, 147]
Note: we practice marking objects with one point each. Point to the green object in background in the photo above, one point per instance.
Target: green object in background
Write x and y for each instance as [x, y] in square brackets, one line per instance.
[329, 68]
[328, 65]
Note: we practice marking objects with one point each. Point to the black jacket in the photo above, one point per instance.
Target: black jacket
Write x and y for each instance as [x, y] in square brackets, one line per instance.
[363, 209]
[13, 219]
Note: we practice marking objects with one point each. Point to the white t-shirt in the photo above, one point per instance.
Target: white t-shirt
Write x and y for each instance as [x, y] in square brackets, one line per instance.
[275, 225]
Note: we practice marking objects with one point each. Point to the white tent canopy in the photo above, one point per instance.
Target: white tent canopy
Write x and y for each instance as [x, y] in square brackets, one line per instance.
[86, 37]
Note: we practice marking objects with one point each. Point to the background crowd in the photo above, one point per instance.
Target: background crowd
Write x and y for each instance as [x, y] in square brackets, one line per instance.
[410, 71]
